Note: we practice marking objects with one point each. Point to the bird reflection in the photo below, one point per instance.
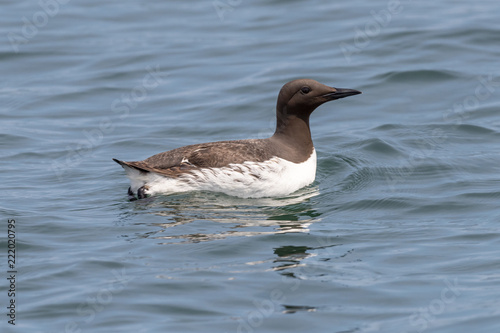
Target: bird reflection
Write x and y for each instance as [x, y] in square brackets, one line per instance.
[236, 216]
[290, 257]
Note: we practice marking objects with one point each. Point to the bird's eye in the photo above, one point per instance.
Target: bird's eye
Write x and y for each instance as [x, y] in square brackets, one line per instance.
[305, 90]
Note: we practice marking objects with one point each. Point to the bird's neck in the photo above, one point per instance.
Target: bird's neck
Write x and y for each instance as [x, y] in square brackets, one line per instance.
[295, 131]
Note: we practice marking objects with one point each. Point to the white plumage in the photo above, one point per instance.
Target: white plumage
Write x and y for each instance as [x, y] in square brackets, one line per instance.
[275, 177]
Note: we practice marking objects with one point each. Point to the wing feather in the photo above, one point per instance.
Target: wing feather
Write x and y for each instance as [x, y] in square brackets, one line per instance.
[207, 155]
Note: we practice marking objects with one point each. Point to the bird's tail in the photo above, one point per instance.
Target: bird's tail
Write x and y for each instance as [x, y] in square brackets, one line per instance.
[129, 166]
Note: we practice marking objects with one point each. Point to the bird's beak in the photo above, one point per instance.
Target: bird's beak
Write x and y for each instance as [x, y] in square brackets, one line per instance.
[340, 93]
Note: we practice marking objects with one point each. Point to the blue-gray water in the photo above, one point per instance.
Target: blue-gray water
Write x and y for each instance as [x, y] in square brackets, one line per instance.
[399, 233]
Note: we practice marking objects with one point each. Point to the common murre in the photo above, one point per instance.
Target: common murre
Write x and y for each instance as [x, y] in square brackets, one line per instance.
[253, 168]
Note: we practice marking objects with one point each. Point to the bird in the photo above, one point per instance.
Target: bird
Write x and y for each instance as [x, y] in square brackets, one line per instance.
[253, 168]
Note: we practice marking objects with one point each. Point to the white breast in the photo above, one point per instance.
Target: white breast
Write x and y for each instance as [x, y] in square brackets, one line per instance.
[272, 178]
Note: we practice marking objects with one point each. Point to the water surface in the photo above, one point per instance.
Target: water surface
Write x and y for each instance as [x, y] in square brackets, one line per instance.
[399, 232]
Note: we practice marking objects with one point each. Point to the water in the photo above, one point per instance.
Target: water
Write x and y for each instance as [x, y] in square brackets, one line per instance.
[399, 233]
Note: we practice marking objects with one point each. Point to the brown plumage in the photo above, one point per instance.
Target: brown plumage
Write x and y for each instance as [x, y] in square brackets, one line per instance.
[206, 155]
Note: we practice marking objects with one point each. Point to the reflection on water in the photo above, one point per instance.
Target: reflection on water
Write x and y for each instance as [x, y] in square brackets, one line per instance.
[240, 217]
[296, 308]
[290, 257]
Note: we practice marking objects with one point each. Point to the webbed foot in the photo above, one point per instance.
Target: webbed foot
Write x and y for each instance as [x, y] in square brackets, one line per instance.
[142, 192]
[131, 196]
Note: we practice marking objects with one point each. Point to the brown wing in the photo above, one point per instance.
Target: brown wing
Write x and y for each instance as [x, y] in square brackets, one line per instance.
[205, 155]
